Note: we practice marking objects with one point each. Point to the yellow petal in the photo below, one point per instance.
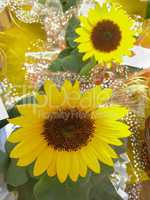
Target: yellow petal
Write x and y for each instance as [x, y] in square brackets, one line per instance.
[90, 159]
[104, 153]
[85, 23]
[26, 147]
[112, 128]
[43, 161]
[112, 141]
[17, 136]
[93, 17]
[84, 47]
[25, 109]
[87, 55]
[95, 96]
[74, 170]
[82, 166]
[43, 104]
[82, 39]
[23, 133]
[30, 157]
[26, 121]
[82, 32]
[41, 99]
[71, 93]
[63, 165]
[104, 158]
[51, 171]
[54, 96]
[109, 150]
[114, 112]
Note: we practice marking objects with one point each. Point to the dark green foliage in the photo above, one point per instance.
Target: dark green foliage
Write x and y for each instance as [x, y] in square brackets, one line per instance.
[25, 191]
[13, 113]
[42, 1]
[9, 146]
[27, 100]
[66, 4]
[70, 32]
[4, 162]
[15, 175]
[50, 189]
[92, 187]
[65, 52]
[148, 10]
[72, 62]
[3, 123]
[85, 71]
[103, 189]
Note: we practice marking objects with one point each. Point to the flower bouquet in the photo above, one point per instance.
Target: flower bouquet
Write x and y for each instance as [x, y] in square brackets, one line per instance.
[74, 118]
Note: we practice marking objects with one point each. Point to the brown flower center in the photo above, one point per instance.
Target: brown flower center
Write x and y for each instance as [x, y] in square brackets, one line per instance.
[106, 36]
[68, 130]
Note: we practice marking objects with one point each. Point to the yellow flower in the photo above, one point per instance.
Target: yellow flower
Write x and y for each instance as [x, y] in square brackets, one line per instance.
[105, 34]
[67, 132]
[144, 38]
[135, 7]
[15, 41]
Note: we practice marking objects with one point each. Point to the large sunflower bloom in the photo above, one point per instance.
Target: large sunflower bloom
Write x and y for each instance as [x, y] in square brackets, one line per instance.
[67, 132]
[105, 34]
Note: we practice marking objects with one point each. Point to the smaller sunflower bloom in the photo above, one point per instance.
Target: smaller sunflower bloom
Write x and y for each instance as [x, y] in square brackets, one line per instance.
[67, 132]
[106, 34]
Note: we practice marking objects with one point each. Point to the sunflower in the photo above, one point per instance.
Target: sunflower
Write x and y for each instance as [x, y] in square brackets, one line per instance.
[67, 132]
[15, 41]
[135, 7]
[105, 34]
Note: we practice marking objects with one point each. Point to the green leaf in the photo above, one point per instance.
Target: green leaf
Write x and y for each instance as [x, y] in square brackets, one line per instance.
[42, 1]
[67, 4]
[65, 52]
[70, 32]
[132, 69]
[107, 170]
[56, 66]
[103, 189]
[73, 63]
[13, 112]
[85, 71]
[3, 123]
[9, 146]
[30, 171]
[25, 191]
[51, 189]
[27, 100]
[120, 149]
[4, 161]
[16, 176]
